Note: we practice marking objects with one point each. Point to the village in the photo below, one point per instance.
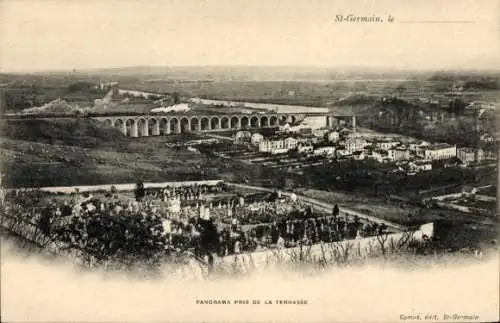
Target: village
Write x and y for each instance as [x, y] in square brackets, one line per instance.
[296, 147]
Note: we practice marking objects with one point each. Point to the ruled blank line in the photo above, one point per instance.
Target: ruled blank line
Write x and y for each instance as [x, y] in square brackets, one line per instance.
[437, 21]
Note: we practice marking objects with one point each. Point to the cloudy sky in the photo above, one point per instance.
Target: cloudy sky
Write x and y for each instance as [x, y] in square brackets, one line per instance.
[62, 35]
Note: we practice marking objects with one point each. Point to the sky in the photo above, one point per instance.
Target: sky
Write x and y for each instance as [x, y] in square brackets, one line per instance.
[426, 34]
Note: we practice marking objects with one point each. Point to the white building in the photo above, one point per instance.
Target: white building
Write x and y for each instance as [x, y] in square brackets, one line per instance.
[398, 154]
[487, 138]
[277, 145]
[358, 155]
[440, 151]
[380, 155]
[325, 151]
[256, 138]
[305, 149]
[307, 139]
[420, 165]
[272, 146]
[290, 143]
[242, 136]
[419, 148]
[355, 144]
[386, 145]
[468, 155]
[333, 136]
[320, 133]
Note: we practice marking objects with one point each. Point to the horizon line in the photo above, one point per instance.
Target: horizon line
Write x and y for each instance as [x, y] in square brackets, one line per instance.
[311, 66]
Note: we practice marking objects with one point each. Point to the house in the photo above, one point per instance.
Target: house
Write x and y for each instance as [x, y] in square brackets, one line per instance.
[386, 145]
[333, 136]
[355, 144]
[320, 132]
[242, 136]
[272, 146]
[398, 154]
[468, 155]
[277, 145]
[256, 138]
[440, 151]
[308, 139]
[305, 149]
[324, 151]
[419, 148]
[486, 138]
[290, 143]
[419, 166]
[380, 155]
[193, 150]
[295, 129]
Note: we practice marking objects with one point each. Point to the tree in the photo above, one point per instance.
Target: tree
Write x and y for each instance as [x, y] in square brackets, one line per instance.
[177, 98]
[129, 239]
[140, 192]
[335, 211]
[209, 240]
[79, 87]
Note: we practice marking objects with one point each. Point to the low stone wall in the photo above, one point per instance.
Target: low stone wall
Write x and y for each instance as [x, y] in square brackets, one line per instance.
[453, 206]
[485, 198]
[122, 187]
[448, 196]
[336, 251]
[465, 209]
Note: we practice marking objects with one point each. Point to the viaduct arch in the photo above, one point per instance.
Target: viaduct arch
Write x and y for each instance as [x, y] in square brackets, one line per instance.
[158, 125]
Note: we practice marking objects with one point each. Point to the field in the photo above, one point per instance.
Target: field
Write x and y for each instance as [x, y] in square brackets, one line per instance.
[38, 164]
[70, 152]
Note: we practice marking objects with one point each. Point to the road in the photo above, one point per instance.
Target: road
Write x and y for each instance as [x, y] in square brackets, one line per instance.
[211, 135]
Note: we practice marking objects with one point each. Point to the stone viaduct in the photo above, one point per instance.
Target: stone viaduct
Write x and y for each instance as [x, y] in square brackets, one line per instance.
[157, 125]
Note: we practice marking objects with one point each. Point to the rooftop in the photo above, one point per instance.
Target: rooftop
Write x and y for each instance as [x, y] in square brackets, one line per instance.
[399, 148]
[422, 162]
[440, 146]
[380, 151]
[280, 137]
[467, 149]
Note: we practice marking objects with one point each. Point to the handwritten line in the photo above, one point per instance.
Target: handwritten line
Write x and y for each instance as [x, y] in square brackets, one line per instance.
[437, 22]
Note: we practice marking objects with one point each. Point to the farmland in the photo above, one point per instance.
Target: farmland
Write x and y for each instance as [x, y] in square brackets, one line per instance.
[65, 152]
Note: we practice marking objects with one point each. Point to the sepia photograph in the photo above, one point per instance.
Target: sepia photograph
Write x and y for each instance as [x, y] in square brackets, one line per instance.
[249, 161]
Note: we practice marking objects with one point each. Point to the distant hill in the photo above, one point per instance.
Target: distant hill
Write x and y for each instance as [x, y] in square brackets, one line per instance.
[254, 73]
